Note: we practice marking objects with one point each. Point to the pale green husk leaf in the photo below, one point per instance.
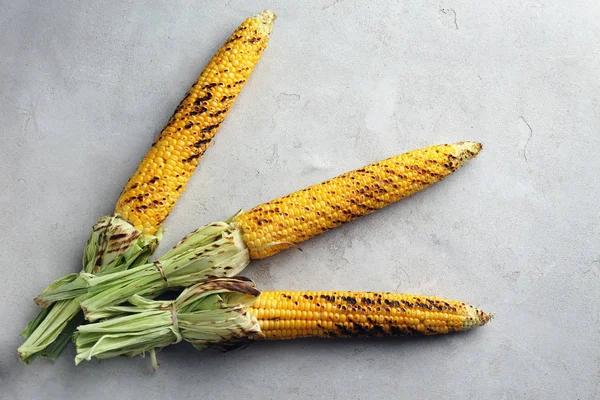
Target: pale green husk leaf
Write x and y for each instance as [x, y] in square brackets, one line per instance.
[213, 313]
[114, 245]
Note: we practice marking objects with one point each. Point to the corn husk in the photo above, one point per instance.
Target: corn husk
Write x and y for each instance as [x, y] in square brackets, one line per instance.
[213, 313]
[114, 245]
[214, 250]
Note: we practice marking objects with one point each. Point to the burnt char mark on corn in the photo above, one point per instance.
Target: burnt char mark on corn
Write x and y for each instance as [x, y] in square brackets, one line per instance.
[292, 219]
[167, 167]
[287, 315]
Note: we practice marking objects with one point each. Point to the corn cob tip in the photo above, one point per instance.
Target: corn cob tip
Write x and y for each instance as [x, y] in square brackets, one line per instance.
[466, 151]
[266, 19]
[476, 318]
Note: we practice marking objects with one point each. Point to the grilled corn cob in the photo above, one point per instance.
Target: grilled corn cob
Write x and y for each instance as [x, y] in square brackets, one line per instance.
[129, 237]
[229, 312]
[150, 194]
[292, 219]
[288, 315]
[281, 223]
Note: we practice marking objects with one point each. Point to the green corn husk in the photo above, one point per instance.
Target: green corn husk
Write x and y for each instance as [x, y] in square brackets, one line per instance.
[114, 245]
[213, 313]
[215, 250]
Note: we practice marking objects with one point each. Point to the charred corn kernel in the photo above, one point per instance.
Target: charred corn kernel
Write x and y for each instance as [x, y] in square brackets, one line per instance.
[292, 219]
[155, 187]
[362, 314]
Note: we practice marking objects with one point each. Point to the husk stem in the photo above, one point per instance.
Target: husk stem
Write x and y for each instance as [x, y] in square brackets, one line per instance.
[213, 313]
[214, 250]
[114, 245]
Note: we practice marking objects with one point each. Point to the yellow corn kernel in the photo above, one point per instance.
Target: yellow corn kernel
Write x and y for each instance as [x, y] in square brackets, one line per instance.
[413, 315]
[163, 174]
[292, 219]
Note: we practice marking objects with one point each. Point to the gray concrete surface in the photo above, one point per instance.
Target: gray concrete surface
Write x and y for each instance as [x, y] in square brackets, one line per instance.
[86, 86]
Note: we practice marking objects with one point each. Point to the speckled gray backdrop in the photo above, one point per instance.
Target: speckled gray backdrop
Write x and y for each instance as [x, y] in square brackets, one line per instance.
[86, 86]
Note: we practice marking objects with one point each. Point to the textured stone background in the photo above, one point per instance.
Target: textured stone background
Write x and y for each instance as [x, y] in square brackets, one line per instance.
[86, 86]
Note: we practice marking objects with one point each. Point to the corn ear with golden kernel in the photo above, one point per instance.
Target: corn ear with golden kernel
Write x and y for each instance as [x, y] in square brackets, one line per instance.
[230, 312]
[163, 174]
[289, 315]
[128, 238]
[292, 219]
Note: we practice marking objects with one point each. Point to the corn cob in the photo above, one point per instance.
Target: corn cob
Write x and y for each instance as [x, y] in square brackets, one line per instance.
[128, 238]
[292, 219]
[230, 312]
[288, 315]
[150, 194]
[282, 223]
